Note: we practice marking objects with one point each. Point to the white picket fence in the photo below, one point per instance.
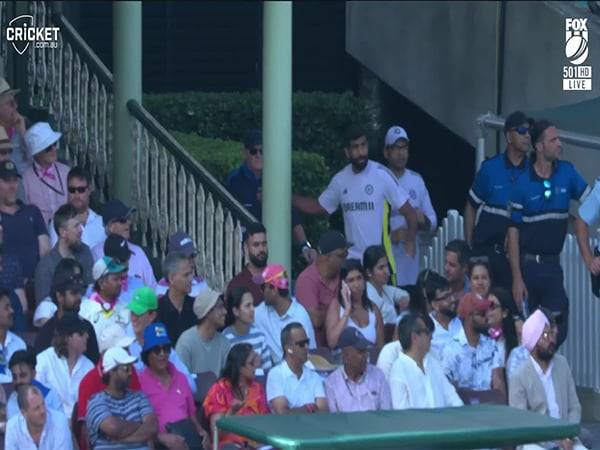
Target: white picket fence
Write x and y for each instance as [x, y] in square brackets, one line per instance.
[584, 317]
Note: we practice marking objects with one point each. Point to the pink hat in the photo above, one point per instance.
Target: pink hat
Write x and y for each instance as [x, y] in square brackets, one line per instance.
[273, 274]
[533, 329]
[469, 303]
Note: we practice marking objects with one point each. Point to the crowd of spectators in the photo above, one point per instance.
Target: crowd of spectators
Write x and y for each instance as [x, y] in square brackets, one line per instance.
[117, 359]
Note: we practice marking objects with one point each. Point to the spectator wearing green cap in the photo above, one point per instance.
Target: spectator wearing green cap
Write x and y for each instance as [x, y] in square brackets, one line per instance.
[102, 307]
[143, 307]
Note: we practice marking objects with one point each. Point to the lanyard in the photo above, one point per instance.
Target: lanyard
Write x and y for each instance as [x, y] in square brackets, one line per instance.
[41, 178]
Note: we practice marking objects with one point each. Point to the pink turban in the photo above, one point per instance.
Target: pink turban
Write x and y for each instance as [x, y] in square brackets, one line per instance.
[533, 329]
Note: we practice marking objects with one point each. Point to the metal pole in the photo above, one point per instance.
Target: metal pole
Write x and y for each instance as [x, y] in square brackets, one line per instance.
[277, 129]
[127, 70]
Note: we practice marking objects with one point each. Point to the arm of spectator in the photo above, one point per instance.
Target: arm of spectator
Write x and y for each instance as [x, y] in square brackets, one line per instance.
[145, 432]
[118, 429]
[179, 365]
[574, 413]
[280, 405]
[334, 324]
[427, 208]
[308, 205]
[184, 353]
[42, 280]
[44, 244]
[498, 380]
[399, 390]
[469, 223]
[380, 339]
[21, 294]
[321, 404]
[410, 216]
[582, 234]
[517, 395]
[307, 294]
[519, 290]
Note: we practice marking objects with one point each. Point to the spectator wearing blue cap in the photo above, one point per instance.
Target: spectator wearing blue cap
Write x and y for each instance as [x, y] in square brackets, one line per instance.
[166, 387]
[245, 184]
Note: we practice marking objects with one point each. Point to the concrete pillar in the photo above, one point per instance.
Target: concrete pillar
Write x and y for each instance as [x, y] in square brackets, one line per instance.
[277, 129]
[127, 72]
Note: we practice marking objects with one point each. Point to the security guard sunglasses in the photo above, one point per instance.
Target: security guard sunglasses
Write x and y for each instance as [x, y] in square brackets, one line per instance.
[521, 130]
[547, 189]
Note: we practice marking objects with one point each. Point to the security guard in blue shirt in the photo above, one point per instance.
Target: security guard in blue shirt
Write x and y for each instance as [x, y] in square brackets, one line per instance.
[539, 220]
[486, 216]
[589, 212]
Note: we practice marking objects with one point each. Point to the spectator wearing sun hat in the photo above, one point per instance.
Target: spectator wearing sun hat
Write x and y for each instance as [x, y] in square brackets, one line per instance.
[202, 348]
[14, 124]
[278, 309]
[45, 181]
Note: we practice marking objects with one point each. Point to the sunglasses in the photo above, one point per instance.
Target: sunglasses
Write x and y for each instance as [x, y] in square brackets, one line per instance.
[521, 130]
[79, 189]
[302, 343]
[547, 189]
[549, 334]
[254, 150]
[166, 349]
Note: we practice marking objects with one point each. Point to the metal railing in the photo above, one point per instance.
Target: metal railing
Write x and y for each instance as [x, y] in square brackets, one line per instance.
[584, 316]
[171, 190]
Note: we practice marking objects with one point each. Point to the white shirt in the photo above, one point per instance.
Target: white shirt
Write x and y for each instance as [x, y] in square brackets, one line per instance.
[12, 343]
[270, 323]
[388, 356]
[362, 197]
[282, 382]
[139, 265]
[55, 435]
[406, 266]
[546, 379]
[53, 371]
[92, 311]
[387, 300]
[93, 231]
[413, 388]
[441, 337]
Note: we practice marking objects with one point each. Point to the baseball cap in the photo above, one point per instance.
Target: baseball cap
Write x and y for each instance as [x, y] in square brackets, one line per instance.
[70, 323]
[115, 246]
[515, 119]
[5, 143]
[273, 274]
[115, 209]
[67, 281]
[114, 357]
[155, 334]
[469, 303]
[40, 136]
[5, 88]
[205, 301]
[182, 242]
[351, 337]
[143, 300]
[252, 138]
[113, 335]
[393, 134]
[8, 170]
[105, 266]
[332, 240]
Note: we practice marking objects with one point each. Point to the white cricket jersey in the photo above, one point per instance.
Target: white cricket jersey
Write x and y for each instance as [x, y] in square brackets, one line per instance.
[362, 196]
[408, 268]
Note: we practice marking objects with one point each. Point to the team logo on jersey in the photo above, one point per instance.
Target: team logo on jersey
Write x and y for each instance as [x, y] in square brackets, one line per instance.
[369, 189]
[412, 194]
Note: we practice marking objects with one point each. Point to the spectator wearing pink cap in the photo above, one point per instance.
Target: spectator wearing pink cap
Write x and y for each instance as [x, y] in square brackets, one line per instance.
[45, 181]
[279, 309]
[471, 359]
[544, 383]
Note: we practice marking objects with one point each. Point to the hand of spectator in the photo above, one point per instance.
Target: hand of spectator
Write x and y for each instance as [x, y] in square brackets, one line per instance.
[566, 444]
[346, 294]
[420, 217]
[398, 236]
[519, 291]
[172, 441]
[19, 123]
[410, 247]
[236, 405]
[310, 255]
[594, 265]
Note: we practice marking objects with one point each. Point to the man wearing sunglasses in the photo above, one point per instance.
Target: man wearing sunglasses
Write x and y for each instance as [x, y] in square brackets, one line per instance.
[245, 184]
[486, 212]
[539, 221]
[79, 187]
[116, 218]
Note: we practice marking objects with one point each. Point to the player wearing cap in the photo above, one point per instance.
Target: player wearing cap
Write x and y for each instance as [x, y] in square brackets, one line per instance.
[471, 359]
[79, 187]
[116, 218]
[118, 418]
[69, 245]
[361, 189]
[182, 243]
[278, 309]
[540, 216]
[45, 181]
[417, 379]
[25, 235]
[396, 152]
[486, 212]
[319, 283]
[357, 385]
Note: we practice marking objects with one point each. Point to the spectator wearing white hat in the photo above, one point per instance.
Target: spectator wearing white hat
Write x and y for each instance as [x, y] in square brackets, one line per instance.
[14, 124]
[118, 418]
[45, 181]
[396, 152]
[202, 348]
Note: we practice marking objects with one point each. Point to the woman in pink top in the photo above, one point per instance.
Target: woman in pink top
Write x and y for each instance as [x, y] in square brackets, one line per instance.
[167, 388]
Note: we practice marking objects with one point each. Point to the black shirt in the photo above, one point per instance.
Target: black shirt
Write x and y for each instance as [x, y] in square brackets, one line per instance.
[176, 322]
[43, 340]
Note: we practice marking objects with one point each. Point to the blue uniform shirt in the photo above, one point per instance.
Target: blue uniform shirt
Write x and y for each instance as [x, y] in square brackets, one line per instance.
[247, 189]
[540, 208]
[490, 194]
